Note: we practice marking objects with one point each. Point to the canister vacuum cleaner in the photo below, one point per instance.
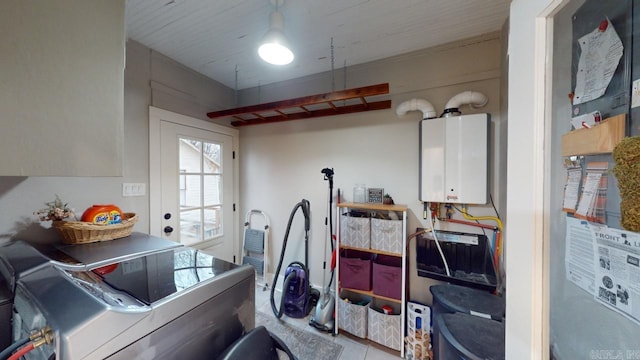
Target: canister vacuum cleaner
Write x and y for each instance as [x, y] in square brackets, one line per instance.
[298, 297]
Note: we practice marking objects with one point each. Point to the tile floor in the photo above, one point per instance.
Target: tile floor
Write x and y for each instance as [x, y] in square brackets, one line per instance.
[353, 348]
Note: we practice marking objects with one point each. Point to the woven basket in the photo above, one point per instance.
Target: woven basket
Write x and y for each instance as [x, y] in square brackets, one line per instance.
[79, 232]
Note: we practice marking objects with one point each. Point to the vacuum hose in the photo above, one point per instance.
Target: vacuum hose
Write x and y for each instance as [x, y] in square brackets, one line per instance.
[304, 205]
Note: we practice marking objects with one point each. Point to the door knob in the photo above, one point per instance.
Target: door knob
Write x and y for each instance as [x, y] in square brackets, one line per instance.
[167, 216]
[168, 229]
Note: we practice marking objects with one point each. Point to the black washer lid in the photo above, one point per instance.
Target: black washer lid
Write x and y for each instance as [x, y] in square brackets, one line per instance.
[467, 300]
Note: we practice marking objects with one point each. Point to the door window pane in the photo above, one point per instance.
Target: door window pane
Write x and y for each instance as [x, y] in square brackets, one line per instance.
[200, 188]
[192, 194]
[190, 155]
[212, 158]
[190, 226]
[212, 190]
[213, 222]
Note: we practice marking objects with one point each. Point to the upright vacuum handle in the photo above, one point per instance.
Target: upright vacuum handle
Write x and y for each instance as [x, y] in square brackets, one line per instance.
[305, 212]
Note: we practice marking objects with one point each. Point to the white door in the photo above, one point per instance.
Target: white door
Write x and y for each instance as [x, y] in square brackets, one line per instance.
[192, 185]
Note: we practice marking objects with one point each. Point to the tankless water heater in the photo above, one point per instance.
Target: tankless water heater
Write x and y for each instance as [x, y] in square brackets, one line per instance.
[453, 159]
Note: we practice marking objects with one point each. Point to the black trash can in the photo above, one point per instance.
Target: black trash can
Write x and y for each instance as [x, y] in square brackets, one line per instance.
[451, 298]
[467, 337]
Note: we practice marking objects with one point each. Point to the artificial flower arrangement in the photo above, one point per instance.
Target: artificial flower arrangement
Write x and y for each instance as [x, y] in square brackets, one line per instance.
[55, 211]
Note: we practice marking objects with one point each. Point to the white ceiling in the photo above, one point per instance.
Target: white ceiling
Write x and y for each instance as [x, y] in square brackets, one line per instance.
[219, 38]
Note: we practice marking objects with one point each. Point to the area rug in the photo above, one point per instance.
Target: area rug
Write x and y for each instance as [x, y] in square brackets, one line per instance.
[303, 344]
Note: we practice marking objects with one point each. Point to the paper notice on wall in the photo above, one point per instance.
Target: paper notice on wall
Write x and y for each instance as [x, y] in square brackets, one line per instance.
[579, 254]
[593, 200]
[571, 189]
[617, 271]
[589, 195]
[601, 51]
[635, 93]
[605, 262]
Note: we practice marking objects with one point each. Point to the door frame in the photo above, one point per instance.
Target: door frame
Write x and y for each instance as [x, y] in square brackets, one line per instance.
[156, 115]
[528, 213]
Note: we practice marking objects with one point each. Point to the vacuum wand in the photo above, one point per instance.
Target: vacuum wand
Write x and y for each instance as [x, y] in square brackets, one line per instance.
[323, 318]
[328, 175]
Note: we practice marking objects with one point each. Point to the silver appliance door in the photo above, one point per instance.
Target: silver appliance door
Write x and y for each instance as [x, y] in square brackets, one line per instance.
[202, 333]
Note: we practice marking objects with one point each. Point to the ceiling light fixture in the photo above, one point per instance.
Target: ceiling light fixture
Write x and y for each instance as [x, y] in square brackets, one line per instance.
[274, 47]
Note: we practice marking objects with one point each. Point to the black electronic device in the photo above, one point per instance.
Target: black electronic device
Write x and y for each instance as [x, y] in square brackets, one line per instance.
[468, 256]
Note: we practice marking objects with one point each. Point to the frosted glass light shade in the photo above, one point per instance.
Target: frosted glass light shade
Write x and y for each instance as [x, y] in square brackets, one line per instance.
[275, 54]
[274, 47]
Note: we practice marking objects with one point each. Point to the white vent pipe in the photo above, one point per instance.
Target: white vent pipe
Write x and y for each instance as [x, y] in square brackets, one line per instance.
[428, 112]
[473, 98]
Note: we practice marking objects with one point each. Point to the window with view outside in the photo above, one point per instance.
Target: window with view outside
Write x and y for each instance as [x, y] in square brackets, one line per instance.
[200, 189]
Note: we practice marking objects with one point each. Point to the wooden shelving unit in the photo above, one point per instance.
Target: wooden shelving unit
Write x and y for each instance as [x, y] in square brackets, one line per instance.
[374, 207]
[371, 294]
[373, 251]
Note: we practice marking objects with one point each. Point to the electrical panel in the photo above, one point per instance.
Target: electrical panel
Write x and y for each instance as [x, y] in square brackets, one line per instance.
[453, 159]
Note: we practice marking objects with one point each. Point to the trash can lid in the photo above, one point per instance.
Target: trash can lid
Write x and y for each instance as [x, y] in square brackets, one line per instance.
[467, 300]
[474, 337]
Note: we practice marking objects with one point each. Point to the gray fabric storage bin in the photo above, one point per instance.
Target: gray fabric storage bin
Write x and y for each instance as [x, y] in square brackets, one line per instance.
[386, 235]
[384, 329]
[355, 231]
[352, 316]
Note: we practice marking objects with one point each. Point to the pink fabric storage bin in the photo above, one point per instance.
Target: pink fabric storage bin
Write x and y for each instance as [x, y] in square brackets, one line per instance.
[387, 276]
[355, 270]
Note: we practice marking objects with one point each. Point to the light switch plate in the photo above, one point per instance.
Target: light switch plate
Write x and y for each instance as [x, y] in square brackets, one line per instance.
[133, 189]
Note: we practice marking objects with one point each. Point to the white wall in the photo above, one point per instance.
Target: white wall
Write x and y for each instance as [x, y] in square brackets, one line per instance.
[175, 88]
[280, 163]
[50, 70]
